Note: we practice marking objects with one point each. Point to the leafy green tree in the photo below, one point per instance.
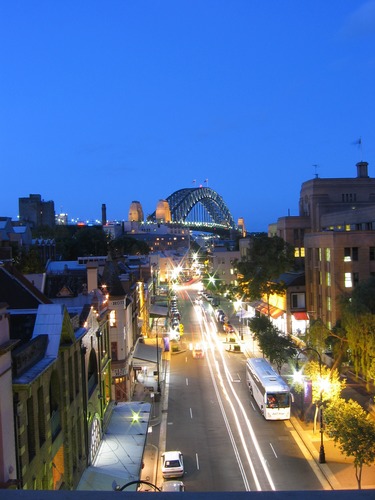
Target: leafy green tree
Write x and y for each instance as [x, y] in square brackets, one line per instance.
[358, 320]
[354, 431]
[259, 273]
[325, 382]
[318, 335]
[277, 348]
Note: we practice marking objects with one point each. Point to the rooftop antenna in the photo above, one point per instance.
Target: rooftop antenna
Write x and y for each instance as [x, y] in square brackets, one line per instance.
[316, 170]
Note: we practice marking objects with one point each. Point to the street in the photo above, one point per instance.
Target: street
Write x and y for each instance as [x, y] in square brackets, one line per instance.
[212, 419]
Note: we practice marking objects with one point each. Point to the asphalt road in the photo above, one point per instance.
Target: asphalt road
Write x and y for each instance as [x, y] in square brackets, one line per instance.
[213, 420]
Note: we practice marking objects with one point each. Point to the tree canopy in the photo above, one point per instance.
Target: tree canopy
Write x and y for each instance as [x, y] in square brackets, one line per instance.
[358, 321]
[267, 259]
[349, 425]
[277, 348]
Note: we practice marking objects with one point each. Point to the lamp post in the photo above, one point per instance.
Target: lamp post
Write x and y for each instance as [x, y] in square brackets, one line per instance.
[322, 457]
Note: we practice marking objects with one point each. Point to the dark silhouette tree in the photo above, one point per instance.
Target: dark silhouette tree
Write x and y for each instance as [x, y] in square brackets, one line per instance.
[267, 259]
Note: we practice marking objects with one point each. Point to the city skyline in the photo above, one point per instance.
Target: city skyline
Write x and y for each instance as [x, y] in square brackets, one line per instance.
[106, 103]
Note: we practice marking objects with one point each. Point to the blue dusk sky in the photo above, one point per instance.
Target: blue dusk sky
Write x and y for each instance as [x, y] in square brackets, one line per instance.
[120, 100]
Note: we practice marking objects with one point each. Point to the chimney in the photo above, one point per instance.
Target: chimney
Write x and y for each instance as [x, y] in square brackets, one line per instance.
[104, 214]
[362, 169]
[92, 276]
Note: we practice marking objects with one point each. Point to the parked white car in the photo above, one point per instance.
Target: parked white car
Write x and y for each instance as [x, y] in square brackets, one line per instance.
[172, 464]
[173, 486]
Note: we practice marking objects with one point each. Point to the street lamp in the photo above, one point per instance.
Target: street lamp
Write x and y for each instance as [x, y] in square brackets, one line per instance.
[322, 457]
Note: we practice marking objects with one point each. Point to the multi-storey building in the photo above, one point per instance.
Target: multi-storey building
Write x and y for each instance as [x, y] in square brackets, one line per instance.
[61, 382]
[36, 212]
[334, 236]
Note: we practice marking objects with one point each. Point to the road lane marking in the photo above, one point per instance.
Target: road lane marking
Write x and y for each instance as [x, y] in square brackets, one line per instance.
[197, 460]
[273, 449]
[187, 381]
[191, 413]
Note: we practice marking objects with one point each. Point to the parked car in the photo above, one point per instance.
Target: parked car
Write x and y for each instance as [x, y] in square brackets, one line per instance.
[173, 486]
[172, 464]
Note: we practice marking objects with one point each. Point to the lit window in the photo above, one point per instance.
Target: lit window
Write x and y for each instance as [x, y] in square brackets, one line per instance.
[348, 280]
[328, 254]
[112, 318]
[302, 251]
[328, 279]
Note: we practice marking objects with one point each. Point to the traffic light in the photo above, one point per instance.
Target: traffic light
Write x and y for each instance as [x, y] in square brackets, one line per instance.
[181, 328]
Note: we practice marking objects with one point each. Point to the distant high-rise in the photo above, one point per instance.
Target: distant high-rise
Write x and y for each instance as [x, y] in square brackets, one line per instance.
[136, 212]
[104, 214]
[36, 212]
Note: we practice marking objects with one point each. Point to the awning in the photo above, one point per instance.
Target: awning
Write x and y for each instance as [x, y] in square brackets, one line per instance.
[300, 316]
[275, 312]
[158, 311]
[146, 353]
[263, 308]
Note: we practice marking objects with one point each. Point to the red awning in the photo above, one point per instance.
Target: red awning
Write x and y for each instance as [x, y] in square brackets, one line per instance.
[300, 316]
[275, 312]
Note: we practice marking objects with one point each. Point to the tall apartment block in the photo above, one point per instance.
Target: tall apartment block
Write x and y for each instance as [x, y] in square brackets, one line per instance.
[36, 212]
[335, 236]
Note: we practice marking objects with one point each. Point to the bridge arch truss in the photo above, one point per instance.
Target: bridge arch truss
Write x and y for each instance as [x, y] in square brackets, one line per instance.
[183, 201]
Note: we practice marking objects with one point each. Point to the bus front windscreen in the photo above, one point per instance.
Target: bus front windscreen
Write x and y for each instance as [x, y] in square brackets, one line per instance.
[278, 400]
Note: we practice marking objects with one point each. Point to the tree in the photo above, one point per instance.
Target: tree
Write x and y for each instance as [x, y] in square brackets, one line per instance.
[277, 348]
[358, 320]
[259, 273]
[127, 245]
[353, 430]
[325, 382]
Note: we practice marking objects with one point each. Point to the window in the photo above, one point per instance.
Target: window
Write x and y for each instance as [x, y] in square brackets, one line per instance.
[350, 254]
[114, 351]
[328, 254]
[112, 318]
[328, 279]
[329, 304]
[348, 280]
[372, 253]
[297, 300]
[41, 417]
[30, 428]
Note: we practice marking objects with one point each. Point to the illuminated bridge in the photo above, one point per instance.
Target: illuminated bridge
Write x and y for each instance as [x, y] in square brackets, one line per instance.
[201, 209]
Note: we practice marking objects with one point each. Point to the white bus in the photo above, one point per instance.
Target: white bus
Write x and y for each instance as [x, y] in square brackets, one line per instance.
[271, 393]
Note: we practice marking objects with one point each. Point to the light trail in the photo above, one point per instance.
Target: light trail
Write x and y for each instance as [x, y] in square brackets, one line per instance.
[210, 333]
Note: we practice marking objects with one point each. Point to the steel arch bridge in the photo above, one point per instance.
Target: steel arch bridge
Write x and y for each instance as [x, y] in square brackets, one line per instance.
[200, 207]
